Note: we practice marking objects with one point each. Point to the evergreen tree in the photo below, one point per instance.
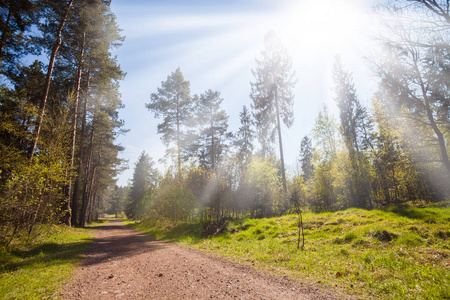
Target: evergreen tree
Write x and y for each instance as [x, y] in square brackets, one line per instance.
[306, 158]
[118, 199]
[244, 137]
[144, 179]
[212, 126]
[353, 123]
[61, 11]
[326, 140]
[173, 103]
[272, 95]
[16, 18]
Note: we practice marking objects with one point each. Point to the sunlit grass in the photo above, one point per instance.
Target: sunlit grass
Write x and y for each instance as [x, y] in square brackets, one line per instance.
[37, 269]
[398, 253]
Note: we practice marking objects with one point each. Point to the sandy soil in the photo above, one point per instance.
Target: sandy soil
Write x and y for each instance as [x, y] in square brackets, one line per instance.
[125, 264]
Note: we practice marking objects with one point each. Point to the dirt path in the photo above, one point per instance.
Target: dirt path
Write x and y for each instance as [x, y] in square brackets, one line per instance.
[125, 264]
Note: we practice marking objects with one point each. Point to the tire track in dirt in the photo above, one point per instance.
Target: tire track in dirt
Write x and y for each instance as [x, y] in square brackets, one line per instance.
[125, 264]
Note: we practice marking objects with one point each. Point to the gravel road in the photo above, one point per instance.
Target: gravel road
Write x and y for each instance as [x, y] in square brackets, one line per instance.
[125, 264]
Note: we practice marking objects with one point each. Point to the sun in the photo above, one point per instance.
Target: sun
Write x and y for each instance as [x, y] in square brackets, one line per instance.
[321, 26]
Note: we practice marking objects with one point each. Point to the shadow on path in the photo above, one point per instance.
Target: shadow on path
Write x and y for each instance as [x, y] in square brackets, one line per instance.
[115, 241]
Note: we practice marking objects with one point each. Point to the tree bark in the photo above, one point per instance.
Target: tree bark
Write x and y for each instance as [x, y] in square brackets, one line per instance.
[442, 146]
[76, 187]
[74, 128]
[178, 135]
[48, 80]
[283, 172]
[85, 199]
[213, 165]
[91, 196]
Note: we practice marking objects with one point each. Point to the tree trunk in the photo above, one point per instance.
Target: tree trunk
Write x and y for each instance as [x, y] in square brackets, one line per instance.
[74, 128]
[76, 187]
[437, 131]
[91, 196]
[85, 199]
[178, 135]
[441, 141]
[300, 230]
[48, 80]
[283, 172]
[213, 165]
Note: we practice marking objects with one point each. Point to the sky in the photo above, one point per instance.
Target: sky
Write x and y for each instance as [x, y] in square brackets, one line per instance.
[215, 44]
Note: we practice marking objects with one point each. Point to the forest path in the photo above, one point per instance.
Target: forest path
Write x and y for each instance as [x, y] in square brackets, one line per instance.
[125, 264]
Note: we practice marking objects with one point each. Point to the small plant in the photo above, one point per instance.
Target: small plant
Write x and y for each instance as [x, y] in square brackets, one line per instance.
[384, 235]
[214, 227]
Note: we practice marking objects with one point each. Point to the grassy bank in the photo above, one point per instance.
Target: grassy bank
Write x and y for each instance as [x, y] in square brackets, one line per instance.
[398, 253]
[35, 270]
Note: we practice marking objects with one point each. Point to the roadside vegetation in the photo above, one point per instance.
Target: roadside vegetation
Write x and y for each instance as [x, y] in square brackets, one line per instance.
[395, 253]
[35, 267]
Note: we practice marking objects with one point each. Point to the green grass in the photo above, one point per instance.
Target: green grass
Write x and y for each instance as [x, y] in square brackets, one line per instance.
[397, 253]
[36, 270]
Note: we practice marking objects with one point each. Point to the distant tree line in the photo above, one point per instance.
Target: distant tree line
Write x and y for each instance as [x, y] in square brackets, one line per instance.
[58, 114]
[394, 152]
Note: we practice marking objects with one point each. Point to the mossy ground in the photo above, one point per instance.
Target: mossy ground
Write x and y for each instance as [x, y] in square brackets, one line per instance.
[396, 253]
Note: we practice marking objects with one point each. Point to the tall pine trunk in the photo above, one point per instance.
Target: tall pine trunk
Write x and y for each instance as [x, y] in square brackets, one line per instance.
[74, 128]
[92, 196]
[48, 80]
[76, 187]
[283, 172]
[178, 136]
[87, 173]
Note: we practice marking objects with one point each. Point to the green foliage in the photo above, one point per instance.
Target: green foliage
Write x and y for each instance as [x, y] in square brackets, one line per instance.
[212, 127]
[39, 133]
[272, 91]
[173, 201]
[414, 84]
[144, 181]
[118, 200]
[306, 158]
[32, 192]
[37, 270]
[265, 186]
[173, 102]
[244, 138]
[396, 253]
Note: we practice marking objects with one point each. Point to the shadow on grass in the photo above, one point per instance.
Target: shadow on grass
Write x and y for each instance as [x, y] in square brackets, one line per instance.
[48, 253]
[416, 213]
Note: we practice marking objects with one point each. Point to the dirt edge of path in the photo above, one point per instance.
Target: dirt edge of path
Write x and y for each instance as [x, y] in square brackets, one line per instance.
[123, 263]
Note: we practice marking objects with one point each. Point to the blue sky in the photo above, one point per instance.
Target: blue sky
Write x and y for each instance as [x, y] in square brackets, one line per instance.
[215, 44]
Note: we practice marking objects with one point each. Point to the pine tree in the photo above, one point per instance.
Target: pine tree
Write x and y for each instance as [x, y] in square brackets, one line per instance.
[306, 157]
[272, 95]
[173, 102]
[353, 122]
[212, 122]
[143, 181]
[244, 137]
[16, 19]
[326, 140]
[99, 83]
[63, 10]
